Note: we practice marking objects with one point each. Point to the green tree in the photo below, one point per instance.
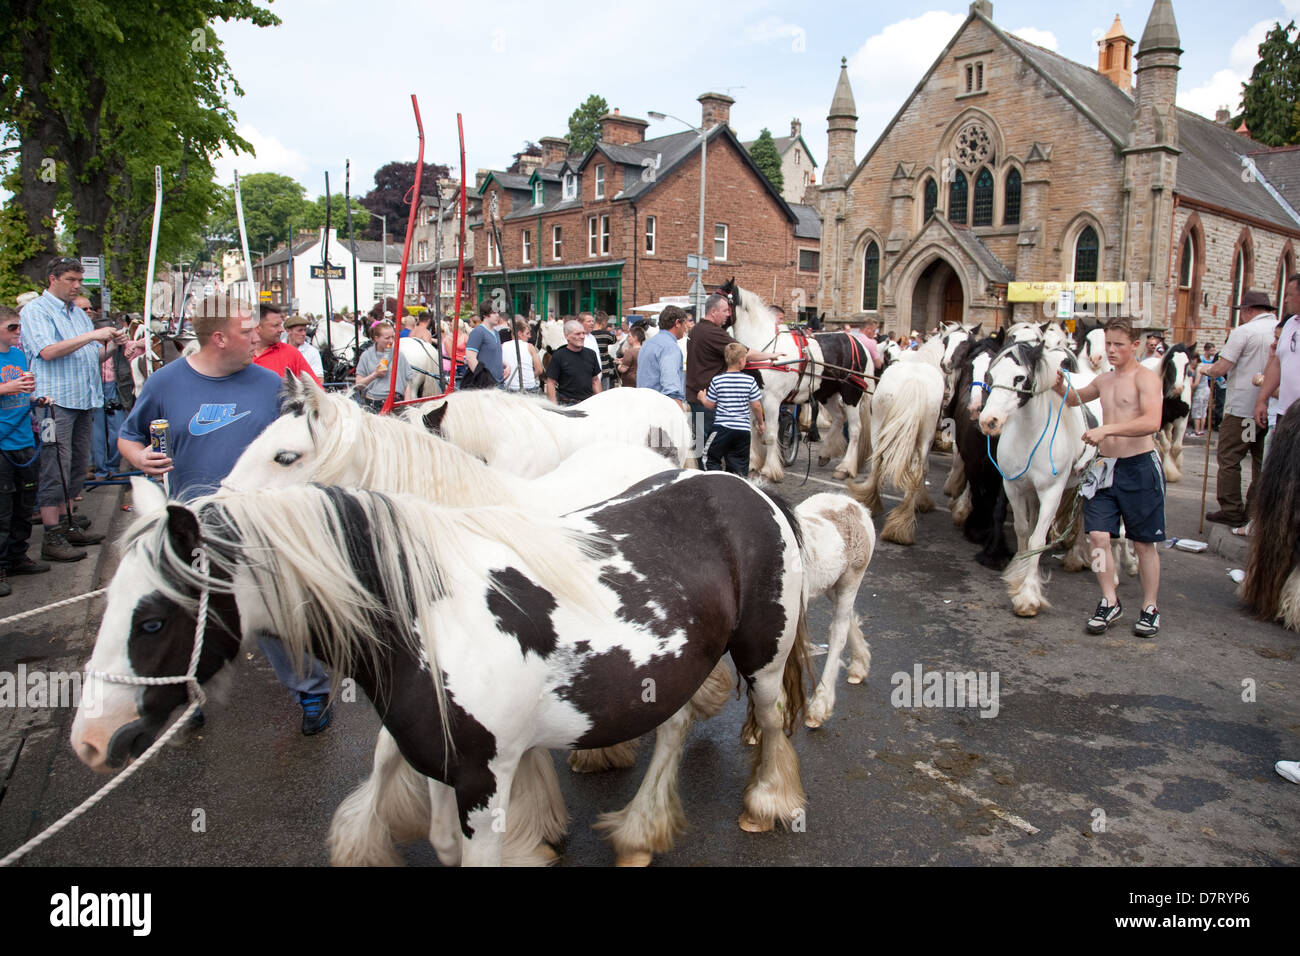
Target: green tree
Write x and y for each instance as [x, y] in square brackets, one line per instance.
[767, 159]
[97, 95]
[315, 215]
[584, 123]
[273, 205]
[1269, 98]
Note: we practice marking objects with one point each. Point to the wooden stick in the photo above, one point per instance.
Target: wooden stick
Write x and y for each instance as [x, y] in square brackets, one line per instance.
[1209, 434]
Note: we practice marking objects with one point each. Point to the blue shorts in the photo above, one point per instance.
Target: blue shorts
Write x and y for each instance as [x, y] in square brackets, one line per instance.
[1137, 494]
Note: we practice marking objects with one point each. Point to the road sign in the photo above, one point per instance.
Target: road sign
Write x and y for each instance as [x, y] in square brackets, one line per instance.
[264, 295]
[385, 288]
[697, 263]
[90, 270]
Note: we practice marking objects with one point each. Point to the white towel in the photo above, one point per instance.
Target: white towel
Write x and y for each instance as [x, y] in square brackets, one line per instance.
[1098, 476]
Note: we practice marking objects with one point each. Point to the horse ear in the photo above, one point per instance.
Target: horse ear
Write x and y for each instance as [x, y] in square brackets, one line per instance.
[147, 497]
[182, 530]
[433, 420]
[975, 332]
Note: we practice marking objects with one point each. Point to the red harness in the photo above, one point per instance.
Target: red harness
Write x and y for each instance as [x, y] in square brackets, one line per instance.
[801, 342]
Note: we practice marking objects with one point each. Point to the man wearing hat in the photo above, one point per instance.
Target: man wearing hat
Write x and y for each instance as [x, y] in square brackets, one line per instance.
[1242, 358]
[295, 333]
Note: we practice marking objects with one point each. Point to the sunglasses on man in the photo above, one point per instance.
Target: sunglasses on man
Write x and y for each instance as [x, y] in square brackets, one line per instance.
[15, 327]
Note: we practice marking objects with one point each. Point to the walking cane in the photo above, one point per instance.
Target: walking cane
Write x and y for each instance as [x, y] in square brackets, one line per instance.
[49, 436]
[1205, 478]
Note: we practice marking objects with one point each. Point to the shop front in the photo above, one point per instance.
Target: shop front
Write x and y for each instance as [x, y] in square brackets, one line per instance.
[558, 291]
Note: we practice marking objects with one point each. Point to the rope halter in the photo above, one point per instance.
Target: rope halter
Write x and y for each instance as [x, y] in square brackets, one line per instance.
[190, 677]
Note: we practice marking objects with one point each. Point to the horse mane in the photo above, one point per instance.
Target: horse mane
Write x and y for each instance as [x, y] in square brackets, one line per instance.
[339, 569]
[964, 359]
[1273, 552]
[394, 455]
[479, 421]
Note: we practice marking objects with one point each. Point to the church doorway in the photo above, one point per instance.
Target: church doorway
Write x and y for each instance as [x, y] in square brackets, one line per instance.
[937, 297]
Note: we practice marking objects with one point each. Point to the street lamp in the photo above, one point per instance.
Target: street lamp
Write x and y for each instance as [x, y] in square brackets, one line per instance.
[384, 241]
[698, 290]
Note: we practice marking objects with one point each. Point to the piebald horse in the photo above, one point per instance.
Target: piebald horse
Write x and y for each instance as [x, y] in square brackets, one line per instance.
[1176, 385]
[480, 634]
[802, 374]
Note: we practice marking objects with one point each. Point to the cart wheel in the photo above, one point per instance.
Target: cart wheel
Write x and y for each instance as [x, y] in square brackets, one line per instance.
[787, 434]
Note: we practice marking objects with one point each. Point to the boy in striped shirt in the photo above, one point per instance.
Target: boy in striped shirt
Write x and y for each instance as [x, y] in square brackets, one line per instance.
[731, 395]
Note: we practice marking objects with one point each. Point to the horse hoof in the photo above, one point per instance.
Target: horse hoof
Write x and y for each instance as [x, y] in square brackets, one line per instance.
[854, 679]
[812, 724]
[750, 740]
[841, 474]
[823, 461]
[1029, 611]
[751, 825]
[640, 858]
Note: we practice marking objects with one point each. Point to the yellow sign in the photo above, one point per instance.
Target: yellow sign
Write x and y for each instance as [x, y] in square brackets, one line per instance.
[1112, 292]
[264, 295]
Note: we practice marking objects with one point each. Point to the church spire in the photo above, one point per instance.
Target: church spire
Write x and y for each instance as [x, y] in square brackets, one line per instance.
[842, 130]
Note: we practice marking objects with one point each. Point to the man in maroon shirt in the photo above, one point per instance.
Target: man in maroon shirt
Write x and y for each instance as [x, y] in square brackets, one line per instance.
[270, 352]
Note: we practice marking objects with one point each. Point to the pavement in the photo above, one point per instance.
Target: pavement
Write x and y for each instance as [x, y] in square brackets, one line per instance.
[1101, 750]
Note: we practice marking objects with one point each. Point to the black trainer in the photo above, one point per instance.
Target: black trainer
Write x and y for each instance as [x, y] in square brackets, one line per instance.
[315, 713]
[1104, 616]
[1148, 622]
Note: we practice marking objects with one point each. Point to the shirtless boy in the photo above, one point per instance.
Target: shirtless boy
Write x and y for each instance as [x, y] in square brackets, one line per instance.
[1131, 404]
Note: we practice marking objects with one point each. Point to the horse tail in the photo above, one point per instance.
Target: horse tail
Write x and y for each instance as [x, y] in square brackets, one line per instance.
[1274, 555]
[900, 432]
[797, 664]
[864, 433]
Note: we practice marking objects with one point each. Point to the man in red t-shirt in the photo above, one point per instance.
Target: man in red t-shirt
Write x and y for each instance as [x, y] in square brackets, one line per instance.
[270, 352]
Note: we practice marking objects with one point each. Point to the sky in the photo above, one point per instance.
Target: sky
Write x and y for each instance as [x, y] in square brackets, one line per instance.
[333, 82]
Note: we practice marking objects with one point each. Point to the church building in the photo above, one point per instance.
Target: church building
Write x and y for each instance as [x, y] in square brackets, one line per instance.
[1012, 174]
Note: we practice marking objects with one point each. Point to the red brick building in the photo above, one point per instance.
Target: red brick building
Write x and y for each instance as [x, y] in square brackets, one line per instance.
[611, 229]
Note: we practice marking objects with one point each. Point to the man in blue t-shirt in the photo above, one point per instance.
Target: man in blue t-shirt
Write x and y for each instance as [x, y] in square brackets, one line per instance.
[18, 471]
[215, 403]
[484, 344]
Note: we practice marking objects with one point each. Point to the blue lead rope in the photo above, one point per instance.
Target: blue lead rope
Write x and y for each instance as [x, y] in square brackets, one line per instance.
[988, 439]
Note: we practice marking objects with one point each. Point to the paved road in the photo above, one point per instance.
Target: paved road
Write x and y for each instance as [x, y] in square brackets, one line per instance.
[1103, 750]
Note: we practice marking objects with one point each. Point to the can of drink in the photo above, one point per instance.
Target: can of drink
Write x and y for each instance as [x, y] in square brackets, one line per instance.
[158, 436]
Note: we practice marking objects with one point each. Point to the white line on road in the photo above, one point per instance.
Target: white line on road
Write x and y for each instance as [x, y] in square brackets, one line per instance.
[970, 794]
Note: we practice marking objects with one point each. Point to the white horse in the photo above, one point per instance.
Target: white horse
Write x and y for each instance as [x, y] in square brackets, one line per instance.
[905, 415]
[1040, 451]
[528, 436]
[839, 540]
[797, 377]
[1092, 352]
[424, 362]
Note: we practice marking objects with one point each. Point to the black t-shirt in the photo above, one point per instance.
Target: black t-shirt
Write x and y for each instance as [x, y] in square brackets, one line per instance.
[572, 373]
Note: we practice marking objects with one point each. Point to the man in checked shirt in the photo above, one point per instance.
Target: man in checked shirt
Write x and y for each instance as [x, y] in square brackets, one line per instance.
[66, 354]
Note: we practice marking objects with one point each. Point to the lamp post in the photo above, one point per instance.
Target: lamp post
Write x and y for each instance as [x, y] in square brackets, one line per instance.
[699, 259]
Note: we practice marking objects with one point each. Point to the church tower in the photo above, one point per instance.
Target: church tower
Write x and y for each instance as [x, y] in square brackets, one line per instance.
[841, 135]
[1151, 162]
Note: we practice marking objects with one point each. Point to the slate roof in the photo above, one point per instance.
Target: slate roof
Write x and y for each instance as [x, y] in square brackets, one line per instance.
[989, 264]
[300, 246]
[808, 222]
[1281, 166]
[783, 144]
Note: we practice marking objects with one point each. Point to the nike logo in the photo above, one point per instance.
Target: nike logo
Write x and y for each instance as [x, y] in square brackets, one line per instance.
[211, 417]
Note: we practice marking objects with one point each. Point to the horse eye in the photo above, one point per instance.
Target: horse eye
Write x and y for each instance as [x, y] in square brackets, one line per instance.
[152, 626]
[287, 458]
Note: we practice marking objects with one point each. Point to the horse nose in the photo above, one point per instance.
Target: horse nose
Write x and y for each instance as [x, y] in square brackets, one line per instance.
[86, 749]
[991, 425]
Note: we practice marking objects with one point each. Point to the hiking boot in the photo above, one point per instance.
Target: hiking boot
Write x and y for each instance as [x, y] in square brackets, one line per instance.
[56, 546]
[1148, 623]
[315, 713]
[1104, 616]
[26, 565]
[77, 536]
[5, 588]
[1222, 517]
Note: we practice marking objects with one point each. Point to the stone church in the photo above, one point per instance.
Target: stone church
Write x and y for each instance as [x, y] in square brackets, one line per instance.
[1012, 172]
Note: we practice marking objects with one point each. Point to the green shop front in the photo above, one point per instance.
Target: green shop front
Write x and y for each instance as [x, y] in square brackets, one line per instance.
[558, 291]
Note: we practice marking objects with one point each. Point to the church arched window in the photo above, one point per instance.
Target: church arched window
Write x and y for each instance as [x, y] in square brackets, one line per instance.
[931, 198]
[982, 214]
[1086, 249]
[1011, 199]
[957, 193]
[870, 277]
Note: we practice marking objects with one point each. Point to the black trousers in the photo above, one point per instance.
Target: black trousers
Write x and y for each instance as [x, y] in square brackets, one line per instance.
[17, 499]
[727, 449]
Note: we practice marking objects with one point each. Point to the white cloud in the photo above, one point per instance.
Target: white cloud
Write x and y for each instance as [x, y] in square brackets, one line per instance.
[772, 28]
[272, 156]
[888, 66]
[1043, 38]
[1224, 87]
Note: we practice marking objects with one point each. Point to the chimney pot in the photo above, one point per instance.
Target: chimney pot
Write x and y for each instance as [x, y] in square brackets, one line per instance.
[715, 108]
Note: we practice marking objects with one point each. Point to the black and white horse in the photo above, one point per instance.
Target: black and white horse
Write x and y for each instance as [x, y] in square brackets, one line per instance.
[827, 367]
[1271, 588]
[480, 634]
[1174, 369]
